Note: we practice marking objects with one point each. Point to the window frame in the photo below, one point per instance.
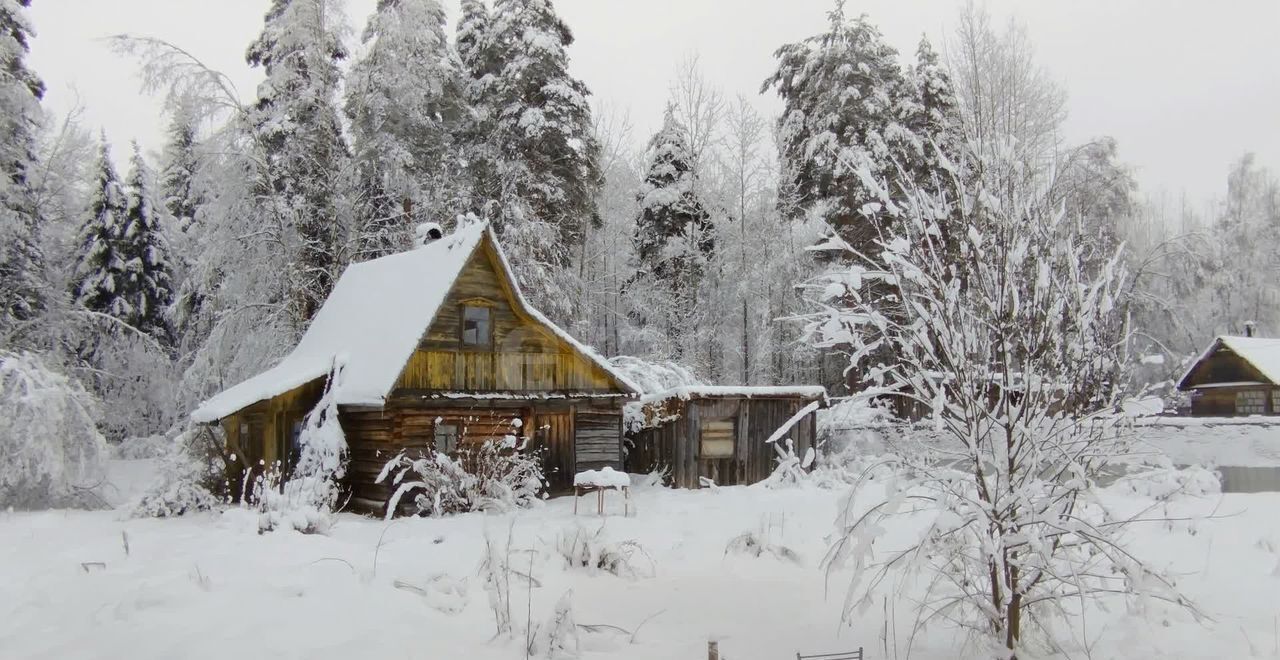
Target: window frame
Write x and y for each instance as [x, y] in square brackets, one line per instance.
[1251, 402]
[462, 326]
[455, 435]
[732, 424]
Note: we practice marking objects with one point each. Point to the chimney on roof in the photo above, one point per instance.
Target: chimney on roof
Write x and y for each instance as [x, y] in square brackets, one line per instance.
[1250, 328]
[426, 233]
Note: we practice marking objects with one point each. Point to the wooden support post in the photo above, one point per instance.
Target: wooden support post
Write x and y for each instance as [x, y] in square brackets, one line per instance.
[713, 650]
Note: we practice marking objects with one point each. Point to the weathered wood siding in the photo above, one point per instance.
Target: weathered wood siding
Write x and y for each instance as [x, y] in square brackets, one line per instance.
[268, 426]
[677, 444]
[1221, 401]
[597, 439]
[524, 356]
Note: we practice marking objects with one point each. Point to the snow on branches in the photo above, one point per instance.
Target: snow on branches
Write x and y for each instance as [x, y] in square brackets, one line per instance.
[51, 454]
[1011, 336]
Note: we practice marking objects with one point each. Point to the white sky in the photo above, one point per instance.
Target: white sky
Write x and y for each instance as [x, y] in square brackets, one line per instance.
[1185, 87]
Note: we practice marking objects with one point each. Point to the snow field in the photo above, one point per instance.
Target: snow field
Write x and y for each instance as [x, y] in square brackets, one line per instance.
[210, 586]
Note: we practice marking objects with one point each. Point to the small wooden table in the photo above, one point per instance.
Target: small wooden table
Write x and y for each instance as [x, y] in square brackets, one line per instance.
[582, 489]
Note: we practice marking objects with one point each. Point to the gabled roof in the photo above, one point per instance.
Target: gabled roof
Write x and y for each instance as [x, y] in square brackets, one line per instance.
[372, 323]
[1262, 353]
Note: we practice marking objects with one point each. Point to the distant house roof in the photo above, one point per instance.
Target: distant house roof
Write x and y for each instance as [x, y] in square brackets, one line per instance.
[371, 324]
[1261, 353]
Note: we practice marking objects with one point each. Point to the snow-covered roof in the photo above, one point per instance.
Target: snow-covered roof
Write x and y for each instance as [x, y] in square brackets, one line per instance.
[1263, 353]
[736, 391]
[371, 324]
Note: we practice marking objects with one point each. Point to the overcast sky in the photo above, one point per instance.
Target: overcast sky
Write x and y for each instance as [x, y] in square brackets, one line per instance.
[1185, 87]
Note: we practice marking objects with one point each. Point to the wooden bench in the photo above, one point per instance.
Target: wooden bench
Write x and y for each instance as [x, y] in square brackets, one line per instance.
[847, 655]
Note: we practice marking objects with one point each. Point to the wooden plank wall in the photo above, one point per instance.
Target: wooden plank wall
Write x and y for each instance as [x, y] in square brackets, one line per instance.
[676, 444]
[597, 440]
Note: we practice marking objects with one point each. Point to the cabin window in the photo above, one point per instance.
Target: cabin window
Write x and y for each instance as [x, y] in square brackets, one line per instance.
[717, 438]
[446, 438]
[477, 326]
[1251, 402]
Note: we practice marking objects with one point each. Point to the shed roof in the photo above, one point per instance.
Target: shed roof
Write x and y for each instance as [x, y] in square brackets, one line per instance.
[1262, 353]
[371, 324]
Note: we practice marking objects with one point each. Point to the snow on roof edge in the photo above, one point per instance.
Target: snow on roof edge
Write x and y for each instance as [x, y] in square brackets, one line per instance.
[1239, 346]
[745, 391]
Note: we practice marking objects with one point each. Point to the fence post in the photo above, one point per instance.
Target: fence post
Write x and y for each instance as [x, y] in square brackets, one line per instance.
[713, 650]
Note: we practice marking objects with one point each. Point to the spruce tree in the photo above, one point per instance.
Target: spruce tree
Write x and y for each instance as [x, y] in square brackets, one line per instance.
[148, 281]
[179, 188]
[932, 114]
[296, 128]
[123, 268]
[99, 281]
[22, 282]
[674, 234]
[403, 100]
[547, 173]
[842, 93]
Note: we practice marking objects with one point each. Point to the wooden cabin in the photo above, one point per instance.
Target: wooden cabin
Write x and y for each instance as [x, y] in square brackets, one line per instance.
[719, 433]
[1235, 376]
[439, 350]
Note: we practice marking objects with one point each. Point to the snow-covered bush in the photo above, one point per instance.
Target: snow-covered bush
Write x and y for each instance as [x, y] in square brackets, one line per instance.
[791, 469]
[752, 544]
[143, 447]
[558, 638]
[501, 477]
[192, 473]
[306, 500]
[51, 454]
[590, 550]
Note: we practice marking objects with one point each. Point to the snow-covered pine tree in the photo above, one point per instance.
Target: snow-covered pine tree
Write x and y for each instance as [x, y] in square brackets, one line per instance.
[475, 146]
[296, 126]
[545, 185]
[100, 267]
[674, 236]
[932, 114]
[179, 189]
[148, 281]
[403, 100]
[123, 268]
[842, 91]
[22, 283]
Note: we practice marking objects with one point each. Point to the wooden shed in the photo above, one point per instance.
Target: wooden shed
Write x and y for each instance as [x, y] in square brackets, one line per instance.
[719, 433]
[1235, 376]
[439, 350]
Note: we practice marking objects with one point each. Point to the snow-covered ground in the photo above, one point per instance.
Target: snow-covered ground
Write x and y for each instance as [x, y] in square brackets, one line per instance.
[209, 586]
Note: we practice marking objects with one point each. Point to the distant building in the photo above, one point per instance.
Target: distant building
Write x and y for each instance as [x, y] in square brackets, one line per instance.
[1235, 376]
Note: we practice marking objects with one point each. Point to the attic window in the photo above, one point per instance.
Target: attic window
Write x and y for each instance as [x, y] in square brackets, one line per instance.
[477, 326]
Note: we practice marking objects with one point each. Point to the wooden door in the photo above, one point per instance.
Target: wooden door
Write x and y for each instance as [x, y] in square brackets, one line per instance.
[554, 433]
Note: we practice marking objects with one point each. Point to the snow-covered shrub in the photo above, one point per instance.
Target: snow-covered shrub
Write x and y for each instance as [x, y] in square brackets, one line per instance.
[501, 477]
[1166, 481]
[752, 544]
[590, 550]
[190, 477]
[51, 454]
[791, 469]
[558, 638]
[307, 499]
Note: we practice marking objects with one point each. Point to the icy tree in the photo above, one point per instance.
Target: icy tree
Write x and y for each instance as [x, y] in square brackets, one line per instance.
[22, 287]
[404, 101]
[304, 158]
[674, 237]
[1016, 350]
[51, 454]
